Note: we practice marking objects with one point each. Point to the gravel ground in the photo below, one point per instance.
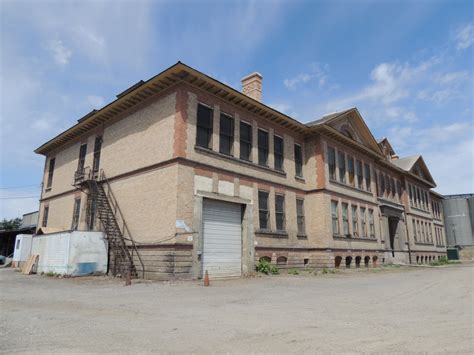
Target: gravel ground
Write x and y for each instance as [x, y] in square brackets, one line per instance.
[395, 310]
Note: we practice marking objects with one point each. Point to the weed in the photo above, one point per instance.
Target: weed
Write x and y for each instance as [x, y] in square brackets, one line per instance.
[328, 271]
[293, 272]
[265, 267]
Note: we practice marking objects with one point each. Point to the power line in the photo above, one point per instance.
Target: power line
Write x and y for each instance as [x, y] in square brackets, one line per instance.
[18, 197]
[18, 187]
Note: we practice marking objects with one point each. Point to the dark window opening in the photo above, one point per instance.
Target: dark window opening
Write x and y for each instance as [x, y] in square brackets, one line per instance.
[226, 135]
[263, 209]
[278, 148]
[360, 176]
[341, 160]
[367, 177]
[358, 259]
[92, 213]
[348, 262]
[305, 262]
[332, 163]
[52, 162]
[282, 260]
[298, 160]
[337, 261]
[367, 261]
[350, 169]
[265, 259]
[82, 158]
[280, 212]
[262, 147]
[75, 213]
[300, 216]
[204, 126]
[245, 141]
[97, 149]
[45, 216]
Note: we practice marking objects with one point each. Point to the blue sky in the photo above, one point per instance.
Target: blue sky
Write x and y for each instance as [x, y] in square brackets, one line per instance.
[406, 65]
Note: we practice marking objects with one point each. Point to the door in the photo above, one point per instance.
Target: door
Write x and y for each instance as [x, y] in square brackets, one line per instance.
[392, 230]
[222, 239]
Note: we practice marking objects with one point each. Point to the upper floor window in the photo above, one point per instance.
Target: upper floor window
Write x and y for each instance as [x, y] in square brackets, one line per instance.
[226, 134]
[350, 169]
[245, 141]
[355, 221]
[363, 223]
[75, 213]
[45, 216]
[371, 223]
[298, 160]
[263, 211]
[368, 180]
[278, 148]
[345, 219]
[204, 126]
[414, 230]
[300, 216]
[341, 160]
[332, 163]
[335, 218]
[49, 182]
[280, 212]
[359, 173]
[97, 149]
[82, 157]
[262, 147]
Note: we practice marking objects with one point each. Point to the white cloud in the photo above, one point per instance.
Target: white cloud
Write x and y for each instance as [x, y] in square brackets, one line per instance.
[282, 107]
[452, 77]
[95, 101]
[61, 53]
[464, 36]
[317, 72]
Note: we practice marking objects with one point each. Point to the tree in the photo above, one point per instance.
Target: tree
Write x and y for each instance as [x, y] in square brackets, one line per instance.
[10, 224]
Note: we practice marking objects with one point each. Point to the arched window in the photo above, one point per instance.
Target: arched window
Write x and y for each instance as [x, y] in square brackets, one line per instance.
[348, 262]
[337, 261]
[367, 261]
[282, 260]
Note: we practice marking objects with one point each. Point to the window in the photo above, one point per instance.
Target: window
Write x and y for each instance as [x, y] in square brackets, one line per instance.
[345, 219]
[414, 230]
[280, 212]
[341, 160]
[17, 244]
[52, 162]
[226, 134]
[278, 152]
[392, 187]
[97, 148]
[204, 126]
[363, 223]
[263, 209]
[367, 177]
[75, 213]
[355, 221]
[245, 141]
[387, 186]
[82, 157]
[359, 173]
[335, 219]
[298, 160]
[45, 216]
[350, 169]
[371, 223]
[262, 147]
[300, 216]
[382, 185]
[399, 189]
[332, 163]
[92, 204]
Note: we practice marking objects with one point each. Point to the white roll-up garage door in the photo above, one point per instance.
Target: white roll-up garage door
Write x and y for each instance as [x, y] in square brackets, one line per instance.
[222, 239]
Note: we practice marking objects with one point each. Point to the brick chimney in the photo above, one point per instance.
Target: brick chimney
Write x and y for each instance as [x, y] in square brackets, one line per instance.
[252, 86]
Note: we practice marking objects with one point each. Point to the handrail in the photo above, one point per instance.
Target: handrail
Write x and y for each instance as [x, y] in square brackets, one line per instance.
[116, 209]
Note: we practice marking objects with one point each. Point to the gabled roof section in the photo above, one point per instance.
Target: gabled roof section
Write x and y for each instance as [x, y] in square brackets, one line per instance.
[385, 146]
[417, 167]
[351, 124]
[143, 90]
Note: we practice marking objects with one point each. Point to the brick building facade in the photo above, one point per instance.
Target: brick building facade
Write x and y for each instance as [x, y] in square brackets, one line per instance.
[210, 178]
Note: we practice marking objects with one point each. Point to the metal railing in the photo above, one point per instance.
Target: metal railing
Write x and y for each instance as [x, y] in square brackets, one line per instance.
[120, 220]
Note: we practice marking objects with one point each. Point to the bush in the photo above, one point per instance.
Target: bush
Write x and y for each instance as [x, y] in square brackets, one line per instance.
[265, 267]
[442, 261]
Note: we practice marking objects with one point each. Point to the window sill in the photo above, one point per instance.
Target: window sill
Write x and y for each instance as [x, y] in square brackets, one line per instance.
[299, 178]
[236, 160]
[421, 243]
[369, 193]
[272, 234]
[47, 189]
[355, 239]
[302, 236]
[420, 209]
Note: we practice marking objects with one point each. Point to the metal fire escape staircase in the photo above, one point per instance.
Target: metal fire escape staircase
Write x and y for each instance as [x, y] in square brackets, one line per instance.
[122, 249]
